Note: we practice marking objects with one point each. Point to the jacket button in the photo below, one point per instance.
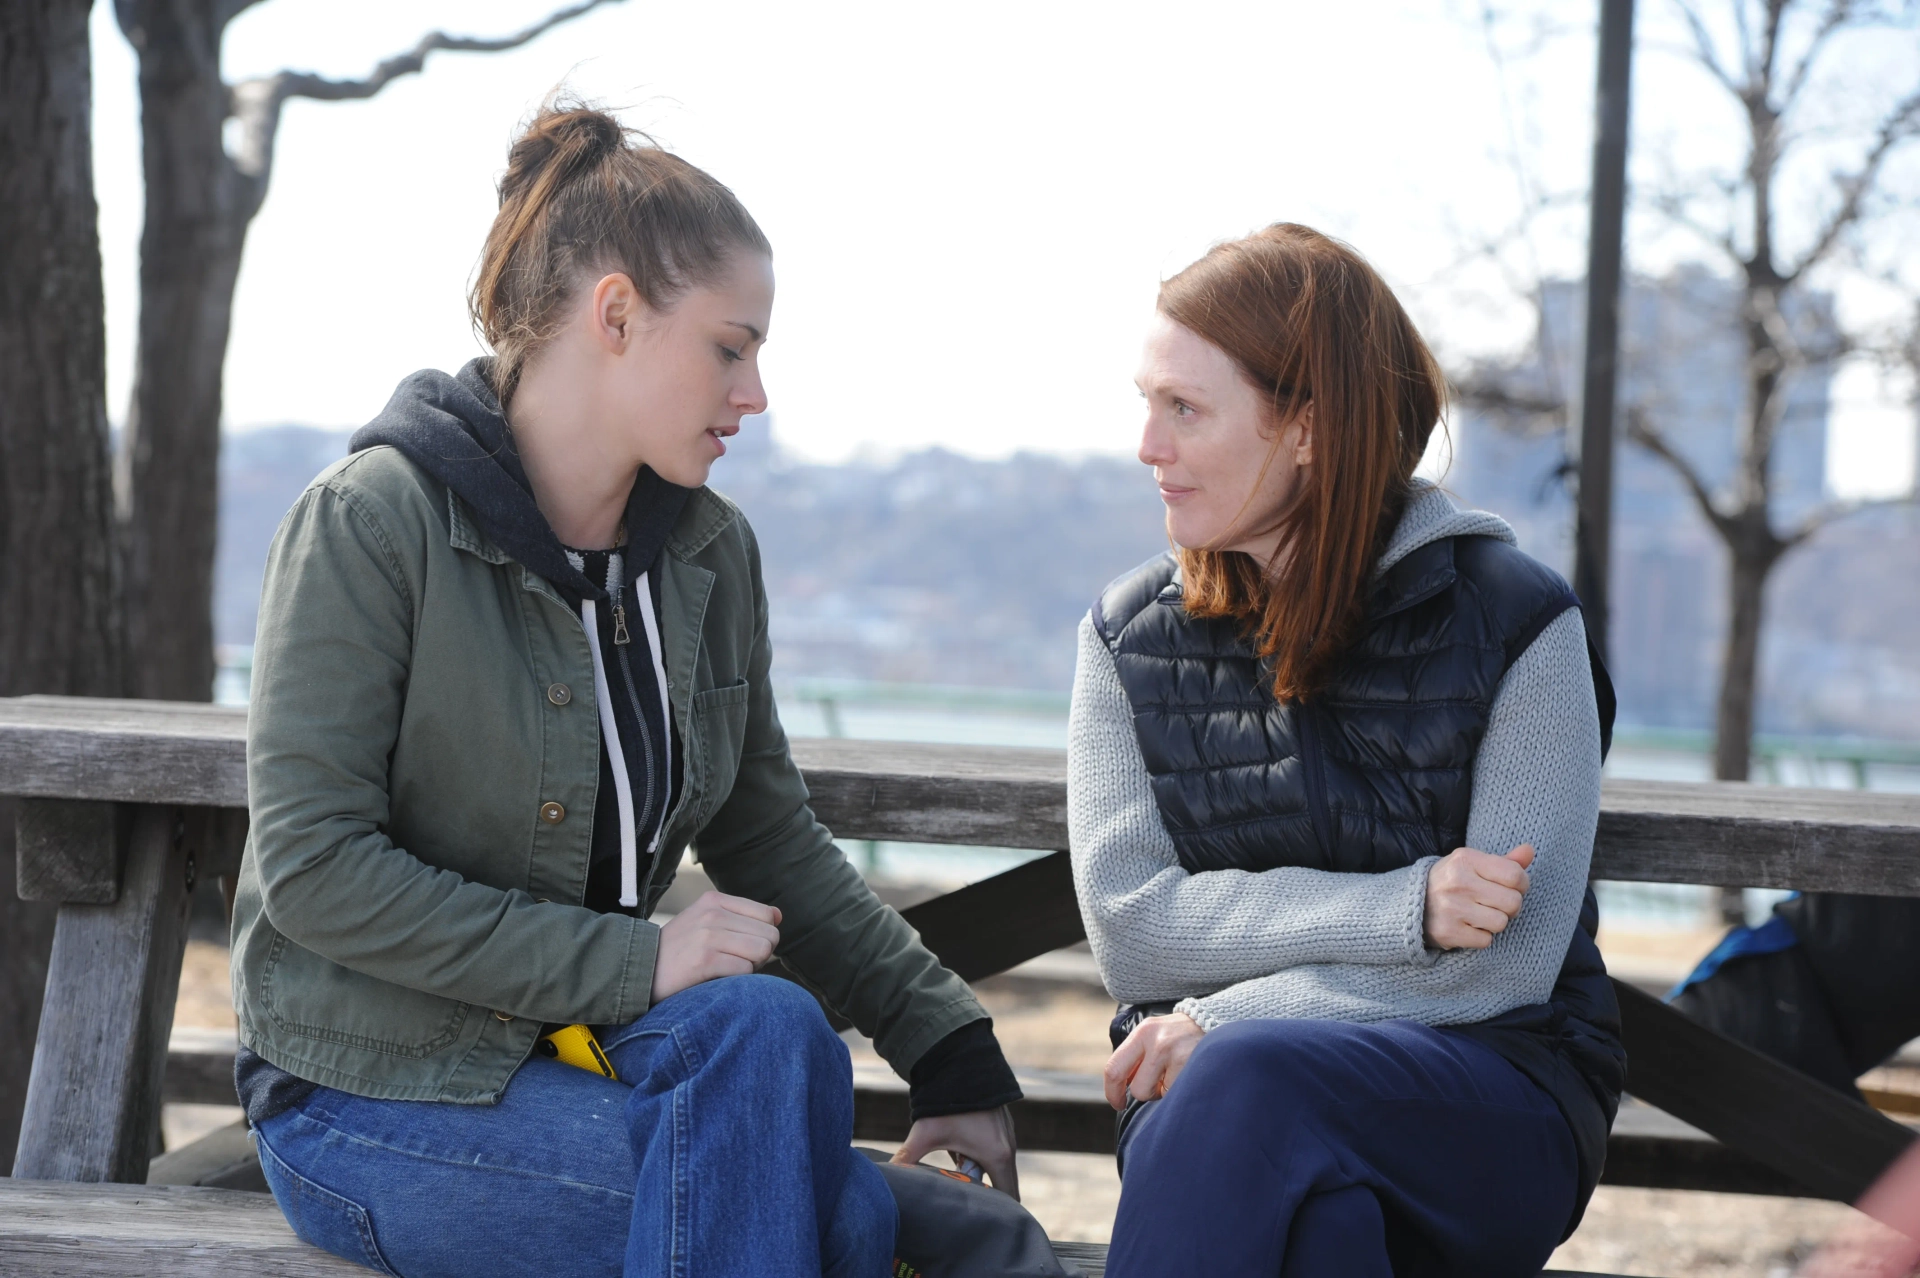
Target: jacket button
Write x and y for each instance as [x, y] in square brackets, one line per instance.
[552, 813]
[559, 693]
[503, 1016]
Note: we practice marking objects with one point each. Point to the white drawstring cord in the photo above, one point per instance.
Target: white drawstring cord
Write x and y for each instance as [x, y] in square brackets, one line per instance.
[610, 733]
[647, 619]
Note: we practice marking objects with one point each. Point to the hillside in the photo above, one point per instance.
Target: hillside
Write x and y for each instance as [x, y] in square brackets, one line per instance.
[936, 568]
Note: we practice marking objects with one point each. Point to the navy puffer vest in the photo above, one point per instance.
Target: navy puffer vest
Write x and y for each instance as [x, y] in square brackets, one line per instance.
[1372, 773]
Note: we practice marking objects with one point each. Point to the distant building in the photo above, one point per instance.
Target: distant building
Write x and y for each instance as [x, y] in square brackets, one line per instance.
[1850, 666]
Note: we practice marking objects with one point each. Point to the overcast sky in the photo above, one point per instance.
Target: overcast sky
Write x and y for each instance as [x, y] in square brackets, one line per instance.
[971, 205]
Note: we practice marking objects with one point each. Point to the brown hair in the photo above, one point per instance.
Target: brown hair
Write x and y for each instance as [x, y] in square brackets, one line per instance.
[1308, 321]
[582, 193]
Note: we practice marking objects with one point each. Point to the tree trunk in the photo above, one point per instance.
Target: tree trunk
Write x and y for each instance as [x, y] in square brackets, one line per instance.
[59, 612]
[1749, 564]
[1739, 672]
[197, 210]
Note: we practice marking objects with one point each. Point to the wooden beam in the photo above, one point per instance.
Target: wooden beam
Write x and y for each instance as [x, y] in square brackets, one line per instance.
[1649, 1149]
[1000, 797]
[1663, 832]
[93, 1098]
[152, 1231]
[174, 752]
[1753, 1104]
[987, 927]
[69, 850]
[1732, 834]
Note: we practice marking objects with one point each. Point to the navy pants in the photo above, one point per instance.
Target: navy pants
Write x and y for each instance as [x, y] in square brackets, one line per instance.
[1320, 1149]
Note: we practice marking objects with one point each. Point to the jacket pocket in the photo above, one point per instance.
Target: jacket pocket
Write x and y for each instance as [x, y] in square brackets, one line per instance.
[720, 726]
[314, 997]
[321, 1217]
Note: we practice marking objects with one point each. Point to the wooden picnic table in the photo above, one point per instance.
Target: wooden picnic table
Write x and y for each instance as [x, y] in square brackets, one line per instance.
[127, 803]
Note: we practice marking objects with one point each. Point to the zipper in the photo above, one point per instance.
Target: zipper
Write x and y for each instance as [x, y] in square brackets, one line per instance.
[620, 635]
[1313, 758]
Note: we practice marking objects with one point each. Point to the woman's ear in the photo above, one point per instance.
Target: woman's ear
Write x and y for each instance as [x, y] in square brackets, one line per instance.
[616, 311]
[1303, 446]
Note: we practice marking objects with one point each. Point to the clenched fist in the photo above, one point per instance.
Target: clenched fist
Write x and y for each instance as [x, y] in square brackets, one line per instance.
[1472, 896]
[718, 935]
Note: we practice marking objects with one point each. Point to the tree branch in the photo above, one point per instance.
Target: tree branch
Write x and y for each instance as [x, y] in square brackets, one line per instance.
[257, 103]
[1649, 437]
[1838, 510]
[1673, 206]
[1901, 124]
[1838, 14]
[1704, 51]
[1494, 395]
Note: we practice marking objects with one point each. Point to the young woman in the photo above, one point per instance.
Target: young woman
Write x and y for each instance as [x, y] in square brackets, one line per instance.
[512, 657]
[1355, 1045]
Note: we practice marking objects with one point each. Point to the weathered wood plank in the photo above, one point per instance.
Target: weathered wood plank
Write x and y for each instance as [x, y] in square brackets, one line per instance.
[1722, 833]
[93, 1098]
[1737, 835]
[1752, 1103]
[69, 850]
[123, 751]
[996, 797]
[125, 1231]
[54, 1230]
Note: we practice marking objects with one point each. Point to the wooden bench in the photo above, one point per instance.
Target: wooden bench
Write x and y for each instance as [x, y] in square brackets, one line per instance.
[128, 803]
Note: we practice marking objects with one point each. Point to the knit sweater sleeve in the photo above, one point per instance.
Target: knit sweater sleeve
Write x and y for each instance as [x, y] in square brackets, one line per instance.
[1160, 933]
[1536, 780]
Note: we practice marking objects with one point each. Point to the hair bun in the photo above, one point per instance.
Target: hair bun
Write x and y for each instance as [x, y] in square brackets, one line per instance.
[564, 139]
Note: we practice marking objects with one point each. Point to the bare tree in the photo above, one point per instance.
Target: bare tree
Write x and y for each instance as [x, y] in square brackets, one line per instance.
[1778, 50]
[1779, 53]
[200, 200]
[59, 614]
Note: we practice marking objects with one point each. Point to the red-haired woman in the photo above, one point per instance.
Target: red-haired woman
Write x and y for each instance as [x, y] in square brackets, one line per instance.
[512, 657]
[1352, 1044]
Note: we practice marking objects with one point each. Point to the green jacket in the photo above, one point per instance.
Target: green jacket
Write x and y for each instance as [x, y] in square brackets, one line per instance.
[408, 912]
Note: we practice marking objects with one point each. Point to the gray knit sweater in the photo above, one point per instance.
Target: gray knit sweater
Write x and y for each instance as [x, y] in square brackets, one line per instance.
[1230, 945]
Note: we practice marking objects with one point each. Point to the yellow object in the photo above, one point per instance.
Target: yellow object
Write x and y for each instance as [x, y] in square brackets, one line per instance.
[575, 1045]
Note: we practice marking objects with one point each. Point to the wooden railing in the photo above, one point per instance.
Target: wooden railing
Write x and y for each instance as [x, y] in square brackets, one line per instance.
[128, 802]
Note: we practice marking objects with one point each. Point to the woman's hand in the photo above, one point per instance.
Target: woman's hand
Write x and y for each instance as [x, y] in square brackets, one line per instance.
[1146, 1064]
[718, 935]
[984, 1135]
[1473, 895]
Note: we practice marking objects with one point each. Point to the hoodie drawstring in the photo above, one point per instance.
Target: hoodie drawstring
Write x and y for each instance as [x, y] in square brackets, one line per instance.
[609, 730]
[610, 733]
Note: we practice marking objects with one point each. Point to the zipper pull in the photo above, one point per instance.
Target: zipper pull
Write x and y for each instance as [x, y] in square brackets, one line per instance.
[620, 634]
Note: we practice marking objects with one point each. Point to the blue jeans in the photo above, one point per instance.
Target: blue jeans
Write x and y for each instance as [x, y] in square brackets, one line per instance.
[1321, 1149]
[725, 1149]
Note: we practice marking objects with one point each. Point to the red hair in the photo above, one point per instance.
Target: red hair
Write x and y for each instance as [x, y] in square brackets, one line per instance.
[1307, 321]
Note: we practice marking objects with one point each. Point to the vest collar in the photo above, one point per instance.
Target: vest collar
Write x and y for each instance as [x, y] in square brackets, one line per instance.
[1417, 577]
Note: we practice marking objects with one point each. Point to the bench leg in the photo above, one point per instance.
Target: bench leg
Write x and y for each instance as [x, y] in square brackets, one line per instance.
[93, 1098]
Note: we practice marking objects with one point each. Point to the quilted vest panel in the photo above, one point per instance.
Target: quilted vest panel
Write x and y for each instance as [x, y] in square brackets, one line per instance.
[1371, 774]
